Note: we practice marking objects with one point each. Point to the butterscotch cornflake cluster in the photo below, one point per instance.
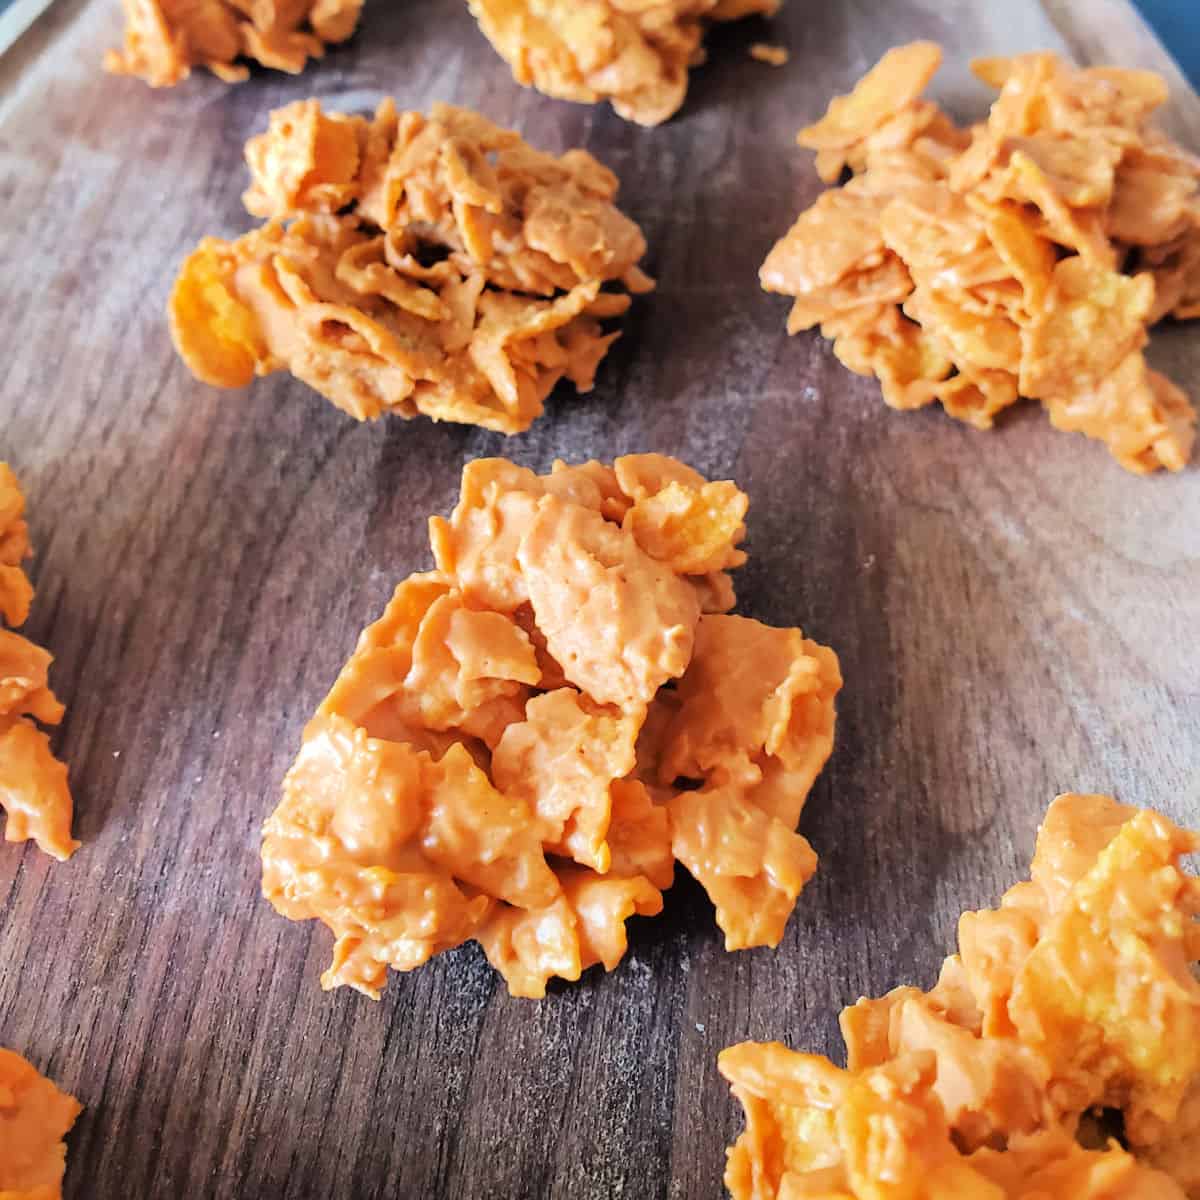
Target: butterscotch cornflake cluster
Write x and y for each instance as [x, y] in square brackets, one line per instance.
[1025, 256]
[413, 264]
[33, 783]
[636, 55]
[1058, 1055]
[34, 1118]
[520, 748]
[165, 39]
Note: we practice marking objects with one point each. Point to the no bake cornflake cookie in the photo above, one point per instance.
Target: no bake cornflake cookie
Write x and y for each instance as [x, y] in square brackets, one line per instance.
[165, 39]
[34, 1118]
[1058, 1055]
[531, 735]
[33, 783]
[412, 264]
[1025, 256]
[634, 53]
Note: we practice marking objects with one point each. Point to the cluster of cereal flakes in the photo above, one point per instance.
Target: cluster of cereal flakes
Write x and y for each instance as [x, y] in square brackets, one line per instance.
[165, 39]
[635, 55]
[33, 783]
[1058, 1055]
[432, 265]
[34, 1118]
[1023, 257]
[523, 744]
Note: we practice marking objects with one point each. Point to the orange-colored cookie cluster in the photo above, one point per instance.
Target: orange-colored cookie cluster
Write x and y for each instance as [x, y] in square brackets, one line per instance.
[520, 748]
[33, 783]
[435, 265]
[165, 39]
[1023, 257]
[34, 1118]
[1058, 1055]
[635, 55]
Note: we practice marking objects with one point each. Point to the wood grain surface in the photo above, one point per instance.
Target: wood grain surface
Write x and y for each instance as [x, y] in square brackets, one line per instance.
[1015, 616]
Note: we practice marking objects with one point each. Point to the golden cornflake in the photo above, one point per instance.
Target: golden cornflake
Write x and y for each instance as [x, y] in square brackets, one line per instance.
[531, 735]
[1026, 256]
[766, 52]
[165, 39]
[413, 265]
[1070, 1016]
[33, 783]
[35, 1116]
[892, 86]
[636, 55]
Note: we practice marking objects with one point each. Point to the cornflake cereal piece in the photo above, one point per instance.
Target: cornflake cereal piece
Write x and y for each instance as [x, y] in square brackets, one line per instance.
[413, 265]
[765, 52]
[1026, 256]
[524, 743]
[890, 88]
[1069, 1019]
[165, 39]
[636, 55]
[33, 783]
[34, 1118]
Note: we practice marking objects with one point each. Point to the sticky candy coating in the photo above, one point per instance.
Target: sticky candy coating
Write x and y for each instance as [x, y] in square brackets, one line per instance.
[33, 783]
[1026, 256]
[34, 1118]
[508, 754]
[1075, 996]
[16, 591]
[636, 56]
[752, 721]
[165, 39]
[411, 264]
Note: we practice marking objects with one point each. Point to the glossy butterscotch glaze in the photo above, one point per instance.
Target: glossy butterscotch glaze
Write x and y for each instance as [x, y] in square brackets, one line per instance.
[635, 55]
[520, 749]
[411, 264]
[1026, 256]
[34, 1118]
[33, 783]
[165, 39]
[1069, 1015]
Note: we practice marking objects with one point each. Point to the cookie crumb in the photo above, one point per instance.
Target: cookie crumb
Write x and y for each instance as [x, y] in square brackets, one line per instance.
[772, 55]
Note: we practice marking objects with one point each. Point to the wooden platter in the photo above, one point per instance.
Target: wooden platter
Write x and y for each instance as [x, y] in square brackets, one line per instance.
[1015, 616]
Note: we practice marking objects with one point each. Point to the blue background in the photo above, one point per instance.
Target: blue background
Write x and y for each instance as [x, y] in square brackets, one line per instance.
[1177, 23]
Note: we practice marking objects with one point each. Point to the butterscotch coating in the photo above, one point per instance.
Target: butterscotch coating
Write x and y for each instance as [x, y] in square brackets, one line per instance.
[504, 757]
[34, 1118]
[165, 39]
[33, 783]
[1074, 999]
[635, 55]
[1026, 256]
[413, 265]
[620, 623]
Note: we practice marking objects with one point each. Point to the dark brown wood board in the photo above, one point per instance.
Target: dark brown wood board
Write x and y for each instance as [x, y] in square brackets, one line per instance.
[1015, 615]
